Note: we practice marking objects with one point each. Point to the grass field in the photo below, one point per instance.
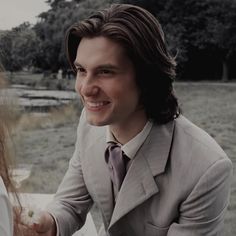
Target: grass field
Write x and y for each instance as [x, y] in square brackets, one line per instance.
[212, 106]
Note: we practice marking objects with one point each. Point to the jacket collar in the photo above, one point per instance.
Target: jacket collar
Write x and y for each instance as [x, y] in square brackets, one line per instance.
[139, 183]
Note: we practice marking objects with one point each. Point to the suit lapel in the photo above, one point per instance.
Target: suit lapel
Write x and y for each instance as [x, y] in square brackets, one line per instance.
[99, 176]
[150, 161]
[137, 187]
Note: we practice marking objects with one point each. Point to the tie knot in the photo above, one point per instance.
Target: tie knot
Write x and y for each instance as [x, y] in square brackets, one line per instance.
[113, 148]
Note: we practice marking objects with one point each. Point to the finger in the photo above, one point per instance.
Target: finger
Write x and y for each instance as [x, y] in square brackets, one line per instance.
[27, 231]
[44, 224]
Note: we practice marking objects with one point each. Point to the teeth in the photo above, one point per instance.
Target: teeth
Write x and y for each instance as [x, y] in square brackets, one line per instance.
[95, 104]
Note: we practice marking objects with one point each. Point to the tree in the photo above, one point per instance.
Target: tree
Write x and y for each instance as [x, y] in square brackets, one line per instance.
[205, 34]
[226, 38]
[202, 32]
[18, 47]
[52, 28]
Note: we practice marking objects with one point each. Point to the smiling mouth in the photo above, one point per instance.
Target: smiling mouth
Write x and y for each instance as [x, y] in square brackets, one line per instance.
[96, 105]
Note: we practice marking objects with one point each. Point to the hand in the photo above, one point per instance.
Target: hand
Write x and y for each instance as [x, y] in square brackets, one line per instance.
[46, 226]
[21, 227]
[24, 230]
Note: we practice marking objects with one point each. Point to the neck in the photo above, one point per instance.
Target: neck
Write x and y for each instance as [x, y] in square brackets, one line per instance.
[123, 133]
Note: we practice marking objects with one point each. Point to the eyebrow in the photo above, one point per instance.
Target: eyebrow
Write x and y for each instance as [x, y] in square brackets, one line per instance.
[103, 66]
[76, 64]
[108, 66]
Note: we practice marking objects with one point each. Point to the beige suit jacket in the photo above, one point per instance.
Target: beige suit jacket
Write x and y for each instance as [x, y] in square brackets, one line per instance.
[177, 185]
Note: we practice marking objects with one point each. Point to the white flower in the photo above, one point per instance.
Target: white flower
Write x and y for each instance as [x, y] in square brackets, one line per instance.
[30, 215]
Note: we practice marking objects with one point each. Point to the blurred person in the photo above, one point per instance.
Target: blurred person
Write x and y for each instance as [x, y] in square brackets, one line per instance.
[10, 216]
[6, 216]
[6, 183]
[149, 169]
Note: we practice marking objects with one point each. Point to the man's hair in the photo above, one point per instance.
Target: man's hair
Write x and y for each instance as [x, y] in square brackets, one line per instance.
[141, 35]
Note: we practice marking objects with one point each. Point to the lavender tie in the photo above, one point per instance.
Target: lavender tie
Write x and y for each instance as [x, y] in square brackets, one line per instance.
[116, 163]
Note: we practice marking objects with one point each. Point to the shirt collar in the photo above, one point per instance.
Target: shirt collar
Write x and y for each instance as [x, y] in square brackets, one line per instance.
[131, 147]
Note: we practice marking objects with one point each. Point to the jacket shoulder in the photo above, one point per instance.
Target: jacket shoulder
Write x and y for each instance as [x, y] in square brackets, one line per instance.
[197, 140]
[195, 154]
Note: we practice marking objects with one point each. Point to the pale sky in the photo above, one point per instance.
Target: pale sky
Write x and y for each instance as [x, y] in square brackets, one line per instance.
[15, 12]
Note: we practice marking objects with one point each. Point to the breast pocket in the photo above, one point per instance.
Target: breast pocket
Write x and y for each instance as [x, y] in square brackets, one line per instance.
[153, 230]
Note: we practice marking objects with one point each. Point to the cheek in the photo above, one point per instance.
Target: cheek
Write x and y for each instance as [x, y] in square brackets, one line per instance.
[77, 85]
[129, 98]
[111, 89]
[132, 91]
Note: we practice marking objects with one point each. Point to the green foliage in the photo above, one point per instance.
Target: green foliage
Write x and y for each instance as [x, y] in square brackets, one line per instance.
[52, 28]
[203, 26]
[18, 47]
[152, 5]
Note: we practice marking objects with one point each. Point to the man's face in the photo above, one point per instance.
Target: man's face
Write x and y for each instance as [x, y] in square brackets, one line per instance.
[106, 83]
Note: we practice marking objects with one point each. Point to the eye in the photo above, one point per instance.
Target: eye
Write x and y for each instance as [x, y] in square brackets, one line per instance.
[106, 72]
[80, 69]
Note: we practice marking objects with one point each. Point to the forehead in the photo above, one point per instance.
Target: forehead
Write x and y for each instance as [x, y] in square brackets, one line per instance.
[99, 42]
[99, 48]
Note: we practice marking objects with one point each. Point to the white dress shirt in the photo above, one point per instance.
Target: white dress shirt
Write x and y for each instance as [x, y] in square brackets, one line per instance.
[131, 148]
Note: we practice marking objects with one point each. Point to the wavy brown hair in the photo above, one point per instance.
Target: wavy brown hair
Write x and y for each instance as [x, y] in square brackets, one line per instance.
[140, 33]
[5, 156]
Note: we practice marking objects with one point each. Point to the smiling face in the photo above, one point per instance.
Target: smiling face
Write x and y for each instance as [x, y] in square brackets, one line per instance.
[106, 83]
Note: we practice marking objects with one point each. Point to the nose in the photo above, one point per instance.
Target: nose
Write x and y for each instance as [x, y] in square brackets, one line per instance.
[86, 86]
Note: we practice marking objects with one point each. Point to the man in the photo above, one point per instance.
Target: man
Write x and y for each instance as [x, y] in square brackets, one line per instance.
[176, 178]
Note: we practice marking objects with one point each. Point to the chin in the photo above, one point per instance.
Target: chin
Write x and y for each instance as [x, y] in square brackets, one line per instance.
[96, 122]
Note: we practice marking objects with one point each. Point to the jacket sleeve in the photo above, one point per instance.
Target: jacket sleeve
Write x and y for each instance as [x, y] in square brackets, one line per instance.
[202, 213]
[72, 200]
